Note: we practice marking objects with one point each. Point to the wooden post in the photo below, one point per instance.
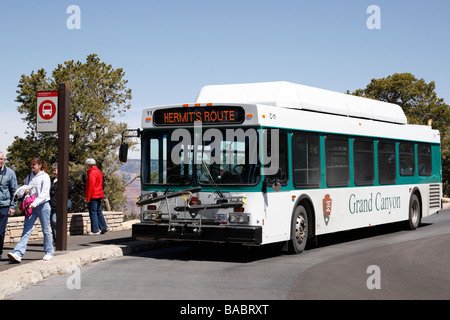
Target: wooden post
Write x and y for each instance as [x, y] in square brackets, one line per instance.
[63, 166]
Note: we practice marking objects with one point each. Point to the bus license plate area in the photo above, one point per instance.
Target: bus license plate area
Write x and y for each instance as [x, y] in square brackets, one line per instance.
[151, 215]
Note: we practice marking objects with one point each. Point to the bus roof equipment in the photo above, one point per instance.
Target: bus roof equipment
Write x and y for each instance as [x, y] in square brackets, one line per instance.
[285, 94]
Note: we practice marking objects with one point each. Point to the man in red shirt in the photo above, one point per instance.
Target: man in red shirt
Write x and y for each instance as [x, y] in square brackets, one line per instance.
[94, 194]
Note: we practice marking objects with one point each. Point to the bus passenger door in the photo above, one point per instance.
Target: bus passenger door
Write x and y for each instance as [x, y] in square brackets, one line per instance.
[277, 204]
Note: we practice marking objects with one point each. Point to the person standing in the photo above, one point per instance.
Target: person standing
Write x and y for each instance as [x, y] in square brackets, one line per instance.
[40, 181]
[8, 186]
[54, 199]
[94, 195]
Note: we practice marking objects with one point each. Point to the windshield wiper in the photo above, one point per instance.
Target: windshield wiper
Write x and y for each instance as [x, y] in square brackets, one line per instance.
[174, 181]
[212, 180]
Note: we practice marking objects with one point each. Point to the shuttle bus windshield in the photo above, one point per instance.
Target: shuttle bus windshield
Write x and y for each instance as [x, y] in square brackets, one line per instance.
[169, 159]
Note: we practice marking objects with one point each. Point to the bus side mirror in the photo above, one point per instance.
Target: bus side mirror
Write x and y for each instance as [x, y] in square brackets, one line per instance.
[274, 183]
[123, 152]
[276, 186]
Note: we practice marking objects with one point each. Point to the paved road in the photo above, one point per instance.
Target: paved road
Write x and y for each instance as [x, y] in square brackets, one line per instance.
[402, 264]
[35, 249]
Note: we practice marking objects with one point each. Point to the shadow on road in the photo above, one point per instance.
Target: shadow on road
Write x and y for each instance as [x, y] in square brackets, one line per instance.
[189, 251]
[204, 251]
[359, 234]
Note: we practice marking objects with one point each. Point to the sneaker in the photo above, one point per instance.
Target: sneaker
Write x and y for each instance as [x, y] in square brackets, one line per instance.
[14, 257]
[93, 233]
[105, 230]
[48, 257]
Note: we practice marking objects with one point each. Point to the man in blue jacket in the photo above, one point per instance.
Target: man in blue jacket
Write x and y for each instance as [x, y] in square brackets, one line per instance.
[8, 186]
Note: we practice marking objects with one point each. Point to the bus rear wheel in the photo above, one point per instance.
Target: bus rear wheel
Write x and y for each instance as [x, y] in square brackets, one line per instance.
[415, 214]
[299, 230]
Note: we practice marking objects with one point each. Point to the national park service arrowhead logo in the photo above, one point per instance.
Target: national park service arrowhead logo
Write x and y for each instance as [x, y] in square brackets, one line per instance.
[327, 202]
[193, 214]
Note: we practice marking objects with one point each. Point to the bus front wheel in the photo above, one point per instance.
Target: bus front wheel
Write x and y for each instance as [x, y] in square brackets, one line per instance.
[299, 230]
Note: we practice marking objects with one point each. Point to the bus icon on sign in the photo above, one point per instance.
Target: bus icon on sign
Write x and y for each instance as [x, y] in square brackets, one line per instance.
[47, 109]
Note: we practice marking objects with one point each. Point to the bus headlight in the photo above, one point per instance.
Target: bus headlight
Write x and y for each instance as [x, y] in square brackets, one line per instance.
[242, 218]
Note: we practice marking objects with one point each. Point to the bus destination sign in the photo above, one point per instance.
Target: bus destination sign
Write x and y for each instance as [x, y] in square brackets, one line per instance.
[210, 115]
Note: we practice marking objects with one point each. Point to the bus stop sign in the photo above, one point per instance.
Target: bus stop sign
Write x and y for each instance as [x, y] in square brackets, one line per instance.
[46, 119]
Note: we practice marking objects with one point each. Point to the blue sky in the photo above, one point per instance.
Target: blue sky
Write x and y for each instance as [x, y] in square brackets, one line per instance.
[169, 49]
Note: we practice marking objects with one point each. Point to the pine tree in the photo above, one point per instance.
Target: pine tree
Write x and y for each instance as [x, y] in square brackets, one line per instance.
[98, 94]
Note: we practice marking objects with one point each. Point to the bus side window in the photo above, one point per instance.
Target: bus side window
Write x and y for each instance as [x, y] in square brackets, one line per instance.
[424, 159]
[386, 162]
[407, 159]
[364, 162]
[337, 161]
[306, 160]
[282, 174]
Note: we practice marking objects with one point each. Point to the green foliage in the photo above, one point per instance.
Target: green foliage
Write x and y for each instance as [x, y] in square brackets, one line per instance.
[420, 103]
[98, 95]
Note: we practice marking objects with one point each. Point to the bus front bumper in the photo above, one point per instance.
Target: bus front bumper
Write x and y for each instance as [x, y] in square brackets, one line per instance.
[251, 235]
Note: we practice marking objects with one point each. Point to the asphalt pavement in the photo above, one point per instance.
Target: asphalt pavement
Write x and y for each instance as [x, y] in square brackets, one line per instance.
[377, 263]
[35, 249]
[81, 250]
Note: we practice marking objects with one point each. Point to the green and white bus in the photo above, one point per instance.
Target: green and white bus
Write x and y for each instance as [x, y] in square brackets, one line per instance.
[279, 162]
